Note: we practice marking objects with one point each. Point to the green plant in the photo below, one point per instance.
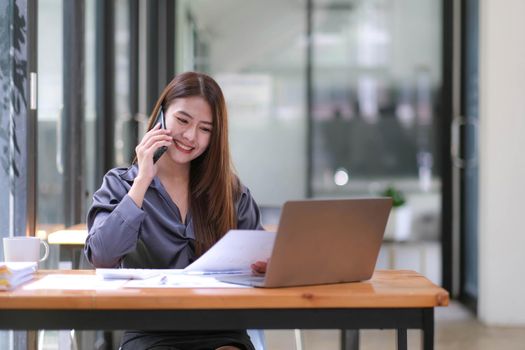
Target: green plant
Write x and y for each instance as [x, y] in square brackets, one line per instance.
[398, 199]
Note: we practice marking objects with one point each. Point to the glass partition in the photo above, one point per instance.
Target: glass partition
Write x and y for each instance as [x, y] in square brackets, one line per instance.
[256, 51]
[124, 146]
[6, 214]
[89, 97]
[13, 117]
[375, 69]
[376, 82]
[50, 168]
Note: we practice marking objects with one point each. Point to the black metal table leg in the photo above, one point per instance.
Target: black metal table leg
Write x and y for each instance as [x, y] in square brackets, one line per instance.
[428, 329]
[401, 339]
[349, 339]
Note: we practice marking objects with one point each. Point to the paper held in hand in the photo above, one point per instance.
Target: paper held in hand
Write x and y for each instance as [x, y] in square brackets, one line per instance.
[234, 253]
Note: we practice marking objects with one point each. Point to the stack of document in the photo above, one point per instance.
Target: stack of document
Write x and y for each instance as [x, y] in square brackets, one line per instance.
[13, 274]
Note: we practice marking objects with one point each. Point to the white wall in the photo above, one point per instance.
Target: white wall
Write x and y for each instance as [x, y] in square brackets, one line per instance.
[502, 162]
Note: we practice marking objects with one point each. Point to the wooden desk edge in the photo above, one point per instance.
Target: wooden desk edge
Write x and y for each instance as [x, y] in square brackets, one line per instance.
[351, 295]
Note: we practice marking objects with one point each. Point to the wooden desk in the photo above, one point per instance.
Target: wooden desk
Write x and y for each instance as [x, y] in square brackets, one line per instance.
[72, 235]
[72, 239]
[391, 299]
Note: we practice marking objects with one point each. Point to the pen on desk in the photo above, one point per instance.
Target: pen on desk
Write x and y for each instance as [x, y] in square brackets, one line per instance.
[218, 272]
[163, 280]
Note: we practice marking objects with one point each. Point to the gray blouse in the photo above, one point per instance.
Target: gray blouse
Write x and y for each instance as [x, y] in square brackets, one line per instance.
[154, 236]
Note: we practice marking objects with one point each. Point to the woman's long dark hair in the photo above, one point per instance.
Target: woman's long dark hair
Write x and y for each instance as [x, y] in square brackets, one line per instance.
[214, 187]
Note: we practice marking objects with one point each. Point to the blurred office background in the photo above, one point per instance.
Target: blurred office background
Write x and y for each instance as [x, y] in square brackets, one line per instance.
[326, 99]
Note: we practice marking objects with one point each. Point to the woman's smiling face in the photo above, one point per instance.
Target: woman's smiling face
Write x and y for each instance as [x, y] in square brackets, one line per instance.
[190, 121]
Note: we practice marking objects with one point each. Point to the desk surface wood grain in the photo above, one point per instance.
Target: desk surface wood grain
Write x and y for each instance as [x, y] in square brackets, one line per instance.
[387, 288]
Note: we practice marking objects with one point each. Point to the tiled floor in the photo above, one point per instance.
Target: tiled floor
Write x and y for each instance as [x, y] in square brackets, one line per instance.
[456, 328]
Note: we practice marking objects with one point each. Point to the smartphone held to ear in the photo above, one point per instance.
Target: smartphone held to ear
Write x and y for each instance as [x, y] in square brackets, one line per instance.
[160, 151]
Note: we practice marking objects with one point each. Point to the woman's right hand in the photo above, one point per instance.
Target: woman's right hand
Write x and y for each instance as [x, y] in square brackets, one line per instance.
[155, 138]
[152, 140]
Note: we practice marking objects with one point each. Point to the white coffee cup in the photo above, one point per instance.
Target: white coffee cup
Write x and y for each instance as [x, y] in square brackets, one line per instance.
[24, 249]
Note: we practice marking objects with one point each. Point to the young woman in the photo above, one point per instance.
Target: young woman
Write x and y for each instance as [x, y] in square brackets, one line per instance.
[165, 214]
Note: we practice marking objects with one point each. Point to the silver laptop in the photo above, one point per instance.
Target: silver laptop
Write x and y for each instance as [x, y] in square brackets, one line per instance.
[323, 241]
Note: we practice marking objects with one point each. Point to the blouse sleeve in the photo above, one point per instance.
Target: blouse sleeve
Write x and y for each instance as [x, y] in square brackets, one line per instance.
[248, 213]
[113, 222]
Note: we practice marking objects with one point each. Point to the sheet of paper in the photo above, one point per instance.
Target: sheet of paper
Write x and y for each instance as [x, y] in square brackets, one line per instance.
[180, 281]
[74, 282]
[134, 274]
[235, 252]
